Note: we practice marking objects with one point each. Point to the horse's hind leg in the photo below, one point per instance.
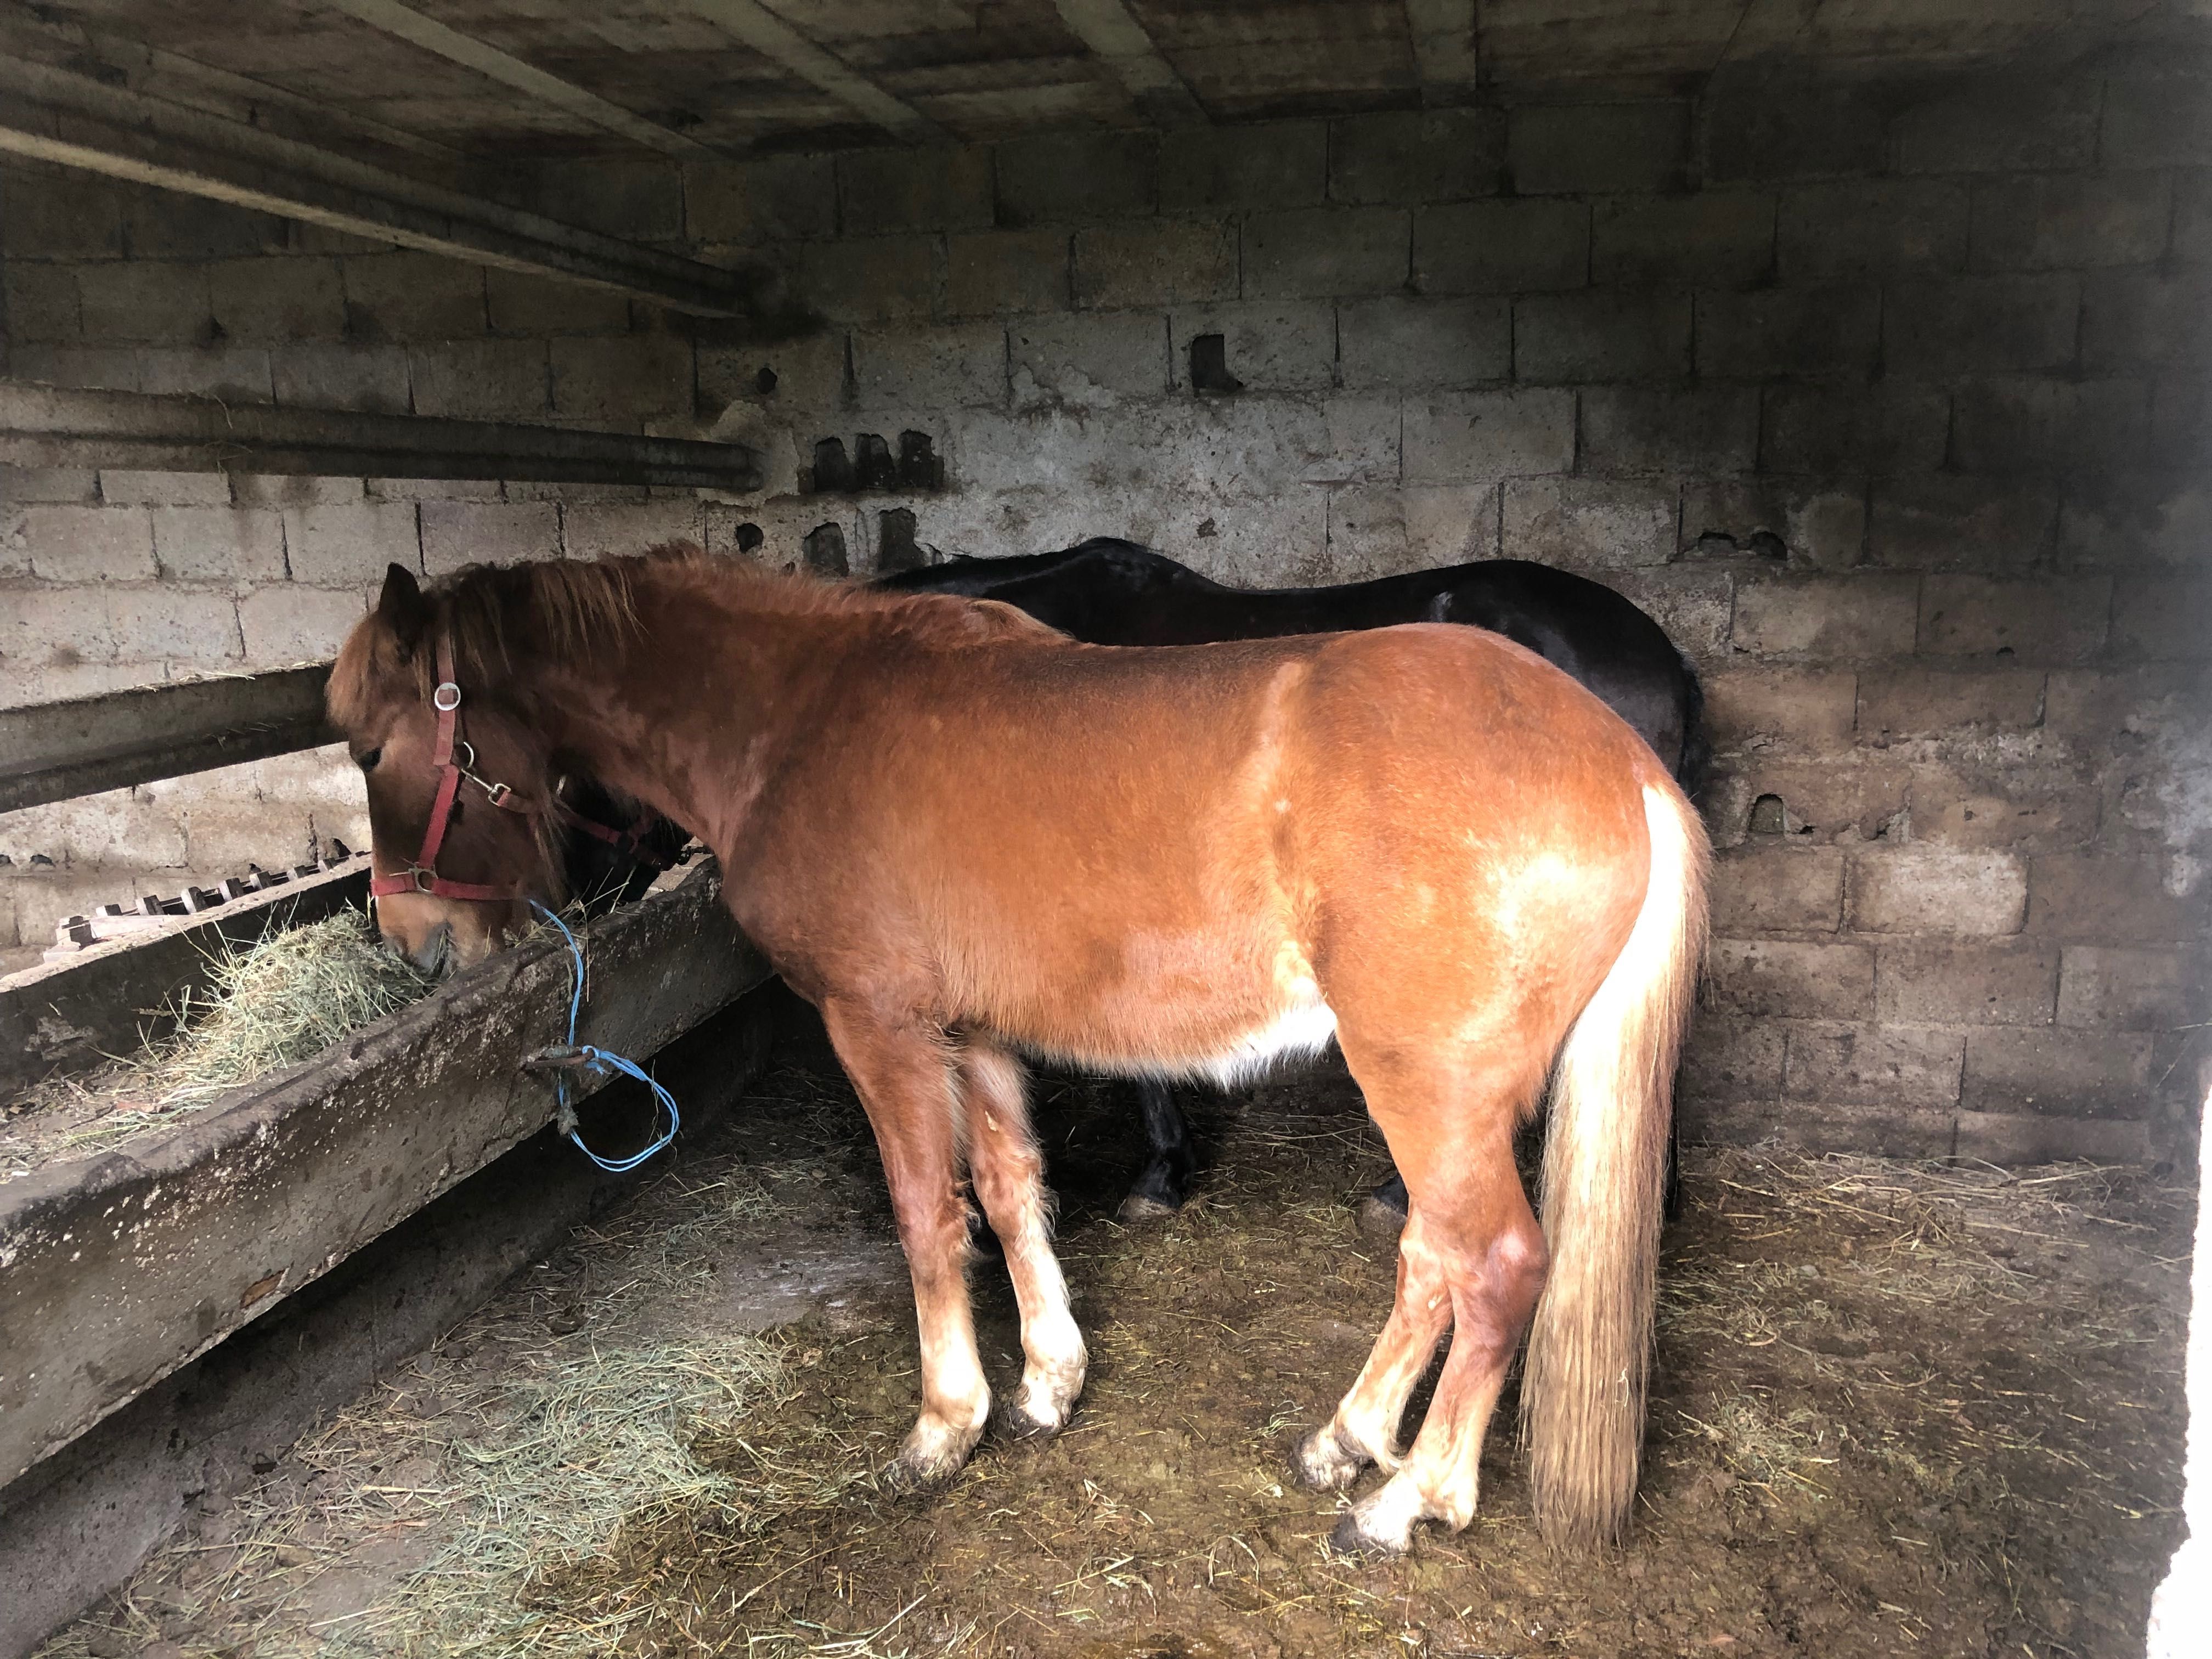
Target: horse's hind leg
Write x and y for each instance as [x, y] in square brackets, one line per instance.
[903, 1075]
[1473, 1257]
[1002, 1157]
[1162, 1186]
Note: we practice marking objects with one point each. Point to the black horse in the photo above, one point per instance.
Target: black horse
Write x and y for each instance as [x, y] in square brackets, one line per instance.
[1111, 591]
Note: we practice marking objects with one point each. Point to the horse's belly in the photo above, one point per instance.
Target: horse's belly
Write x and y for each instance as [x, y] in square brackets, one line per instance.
[1299, 1032]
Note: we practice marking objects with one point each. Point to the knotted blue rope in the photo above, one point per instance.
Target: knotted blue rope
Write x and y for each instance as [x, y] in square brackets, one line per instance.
[576, 1056]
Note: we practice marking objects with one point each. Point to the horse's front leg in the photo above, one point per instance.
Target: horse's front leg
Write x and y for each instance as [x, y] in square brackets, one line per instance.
[904, 1074]
[1161, 1189]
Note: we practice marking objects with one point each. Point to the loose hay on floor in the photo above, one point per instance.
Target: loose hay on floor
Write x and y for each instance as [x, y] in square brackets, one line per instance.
[1899, 1409]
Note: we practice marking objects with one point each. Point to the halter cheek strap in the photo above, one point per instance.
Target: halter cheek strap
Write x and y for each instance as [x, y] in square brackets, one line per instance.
[422, 876]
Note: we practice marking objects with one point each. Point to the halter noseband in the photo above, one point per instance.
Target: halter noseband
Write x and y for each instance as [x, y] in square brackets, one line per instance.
[422, 876]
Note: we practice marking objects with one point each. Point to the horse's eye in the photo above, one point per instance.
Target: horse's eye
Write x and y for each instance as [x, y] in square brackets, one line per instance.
[367, 762]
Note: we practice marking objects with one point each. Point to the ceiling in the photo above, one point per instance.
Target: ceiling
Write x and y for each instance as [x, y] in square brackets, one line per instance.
[489, 78]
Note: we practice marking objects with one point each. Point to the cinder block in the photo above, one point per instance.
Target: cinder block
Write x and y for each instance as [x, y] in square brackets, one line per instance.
[1075, 359]
[95, 368]
[1814, 526]
[2156, 118]
[1512, 247]
[1312, 252]
[403, 295]
[1875, 1065]
[1792, 979]
[236, 374]
[287, 624]
[2014, 1141]
[21, 484]
[1890, 426]
[277, 302]
[455, 533]
[1157, 263]
[349, 545]
[1002, 270]
[1600, 335]
[2161, 618]
[163, 225]
[963, 365]
[1717, 239]
[370, 378]
[1592, 148]
[2060, 1073]
[806, 373]
[627, 377]
[2146, 319]
[2103, 900]
[868, 280]
[2031, 806]
[1942, 520]
[1417, 156]
[146, 301]
[1832, 617]
[640, 200]
[1403, 343]
[58, 627]
[1363, 444]
[606, 529]
[1789, 331]
[1060, 178]
[2093, 710]
[1669, 429]
[2002, 124]
[181, 627]
[2053, 620]
[1274, 164]
[2027, 424]
[1790, 129]
[1450, 524]
[239, 545]
[1691, 605]
[122, 487]
[518, 303]
[1897, 705]
[1770, 710]
[1931, 890]
[1482, 435]
[2192, 217]
[1970, 325]
[1921, 983]
[1881, 226]
[881, 191]
[89, 543]
[281, 490]
[2066, 222]
[2143, 988]
[455, 490]
[1287, 346]
[1829, 799]
[1729, 1059]
[2180, 418]
[54, 215]
[1589, 523]
[42, 301]
[778, 198]
[1768, 886]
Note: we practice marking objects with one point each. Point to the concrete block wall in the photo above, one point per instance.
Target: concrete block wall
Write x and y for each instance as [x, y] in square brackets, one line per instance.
[1887, 399]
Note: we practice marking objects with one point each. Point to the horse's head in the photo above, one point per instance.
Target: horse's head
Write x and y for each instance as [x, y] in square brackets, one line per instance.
[458, 784]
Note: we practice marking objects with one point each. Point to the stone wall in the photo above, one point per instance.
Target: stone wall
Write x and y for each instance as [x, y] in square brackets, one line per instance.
[1886, 398]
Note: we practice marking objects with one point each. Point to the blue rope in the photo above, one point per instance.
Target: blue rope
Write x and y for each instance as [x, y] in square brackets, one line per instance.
[600, 1058]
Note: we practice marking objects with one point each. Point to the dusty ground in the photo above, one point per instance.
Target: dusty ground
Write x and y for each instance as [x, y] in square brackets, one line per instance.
[1898, 1410]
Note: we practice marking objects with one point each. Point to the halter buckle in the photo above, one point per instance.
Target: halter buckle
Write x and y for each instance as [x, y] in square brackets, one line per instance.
[446, 698]
[497, 793]
[426, 881]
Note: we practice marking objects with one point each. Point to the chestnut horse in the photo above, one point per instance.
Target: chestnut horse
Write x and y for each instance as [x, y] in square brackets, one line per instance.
[1424, 842]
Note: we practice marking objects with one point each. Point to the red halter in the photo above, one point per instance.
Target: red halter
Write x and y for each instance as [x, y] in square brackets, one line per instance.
[422, 876]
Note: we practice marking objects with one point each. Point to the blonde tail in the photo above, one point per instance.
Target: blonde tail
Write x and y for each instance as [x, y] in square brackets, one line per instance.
[1605, 1154]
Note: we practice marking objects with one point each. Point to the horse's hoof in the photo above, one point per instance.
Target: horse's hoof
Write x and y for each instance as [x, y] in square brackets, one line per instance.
[906, 1476]
[1379, 1222]
[1138, 1211]
[1022, 1423]
[1323, 1463]
[1348, 1538]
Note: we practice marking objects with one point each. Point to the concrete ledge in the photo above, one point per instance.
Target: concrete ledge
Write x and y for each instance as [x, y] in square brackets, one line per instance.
[118, 1269]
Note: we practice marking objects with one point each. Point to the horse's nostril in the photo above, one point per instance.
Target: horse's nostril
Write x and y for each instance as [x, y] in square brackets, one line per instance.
[435, 953]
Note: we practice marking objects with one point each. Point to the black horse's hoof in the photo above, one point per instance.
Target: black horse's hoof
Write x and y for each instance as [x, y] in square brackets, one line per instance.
[1379, 1221]
[1139, 1210]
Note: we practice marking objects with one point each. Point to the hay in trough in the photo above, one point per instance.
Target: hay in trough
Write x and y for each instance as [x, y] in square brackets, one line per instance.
[282, 999]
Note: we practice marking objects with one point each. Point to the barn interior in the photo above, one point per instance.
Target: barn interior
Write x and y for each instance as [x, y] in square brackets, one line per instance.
[1863, 347]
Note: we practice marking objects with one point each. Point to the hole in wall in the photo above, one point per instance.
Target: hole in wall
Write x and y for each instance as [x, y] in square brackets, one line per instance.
[1209, 365]
[1769, 816]
[765, 382]
[896, 548]
[1767, 545]
[918, 468]
[822, 552]
[832, 469]
[875, 468]
[749, 538]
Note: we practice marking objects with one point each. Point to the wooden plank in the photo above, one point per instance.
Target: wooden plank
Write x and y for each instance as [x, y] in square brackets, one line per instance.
[116, 1269]
[55, 115]
[68, 1015]
[57, 750]
[54, 425]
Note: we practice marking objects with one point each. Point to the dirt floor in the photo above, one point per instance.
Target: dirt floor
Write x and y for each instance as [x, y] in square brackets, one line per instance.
[1899, 1409]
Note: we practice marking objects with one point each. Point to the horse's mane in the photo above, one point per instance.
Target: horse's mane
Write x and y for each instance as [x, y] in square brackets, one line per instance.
[566, 610]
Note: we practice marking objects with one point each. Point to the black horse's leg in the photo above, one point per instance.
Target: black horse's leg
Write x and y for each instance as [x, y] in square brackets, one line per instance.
[1161, 1189]
[1382, 1212]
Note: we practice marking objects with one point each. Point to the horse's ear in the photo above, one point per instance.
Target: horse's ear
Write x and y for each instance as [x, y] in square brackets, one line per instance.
[402, 608]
